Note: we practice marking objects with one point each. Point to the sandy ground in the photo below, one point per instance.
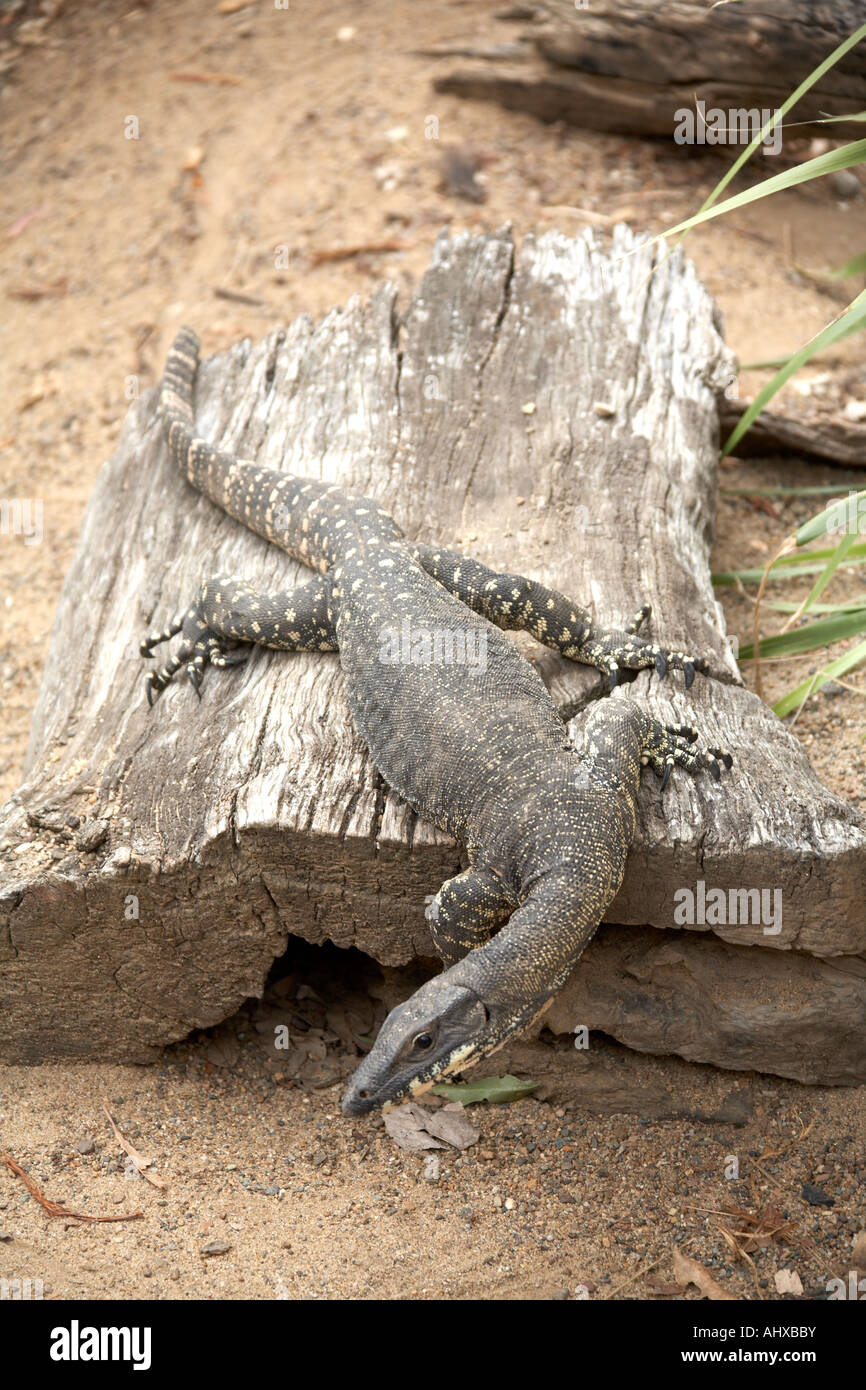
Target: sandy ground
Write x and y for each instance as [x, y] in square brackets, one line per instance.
[304, 138]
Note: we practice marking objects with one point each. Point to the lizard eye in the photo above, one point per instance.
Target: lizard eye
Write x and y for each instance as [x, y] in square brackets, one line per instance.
[423, 1042]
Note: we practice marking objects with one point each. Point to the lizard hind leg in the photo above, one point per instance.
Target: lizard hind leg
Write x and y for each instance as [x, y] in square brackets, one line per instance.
[465, 912]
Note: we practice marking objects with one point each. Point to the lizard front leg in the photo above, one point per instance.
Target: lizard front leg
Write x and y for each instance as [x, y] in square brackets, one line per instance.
[465, 912]
[513, 601]
[616, 739]
[227, 612]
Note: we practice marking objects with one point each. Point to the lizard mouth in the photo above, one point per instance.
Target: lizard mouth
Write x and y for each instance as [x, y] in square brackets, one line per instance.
[392, 1072]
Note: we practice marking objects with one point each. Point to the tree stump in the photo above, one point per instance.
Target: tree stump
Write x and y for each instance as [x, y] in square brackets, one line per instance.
[552, 411]
[629, 66]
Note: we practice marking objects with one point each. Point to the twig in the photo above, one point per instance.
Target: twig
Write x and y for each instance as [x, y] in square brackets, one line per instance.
[345, 253]
[54, 1208]
[645, 1269]
[740, 1254]
[236, 296]
[55, 290]
[597, 219]
[23, 221]
[221, 79]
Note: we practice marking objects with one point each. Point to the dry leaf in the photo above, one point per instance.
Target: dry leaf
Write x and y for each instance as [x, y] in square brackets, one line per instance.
[407, 1126]
[452, 1123]
[787, 1281]
[688, 1271]
[141, 1163]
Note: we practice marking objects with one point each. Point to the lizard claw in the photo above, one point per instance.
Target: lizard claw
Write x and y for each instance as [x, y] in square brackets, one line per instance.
[194, 674]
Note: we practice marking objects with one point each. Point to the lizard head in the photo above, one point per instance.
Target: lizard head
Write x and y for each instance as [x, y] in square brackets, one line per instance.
[443, 1028]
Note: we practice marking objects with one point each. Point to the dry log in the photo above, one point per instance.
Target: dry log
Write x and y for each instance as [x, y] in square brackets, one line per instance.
[829, 437]
[629, 66]
[153, 864]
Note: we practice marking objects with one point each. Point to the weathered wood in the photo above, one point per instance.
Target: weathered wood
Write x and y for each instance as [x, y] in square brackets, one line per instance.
[230, 824]
[629, 66]
[709, 1002]
[829, 437]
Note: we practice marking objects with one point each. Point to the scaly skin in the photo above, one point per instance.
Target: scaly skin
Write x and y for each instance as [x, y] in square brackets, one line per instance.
[477, 748]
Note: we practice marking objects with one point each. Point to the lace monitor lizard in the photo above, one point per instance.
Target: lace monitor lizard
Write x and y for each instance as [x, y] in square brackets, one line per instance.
[483, 754]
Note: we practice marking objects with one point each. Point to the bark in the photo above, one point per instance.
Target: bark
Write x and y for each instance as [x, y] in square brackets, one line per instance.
[154, 863]
[629, 66]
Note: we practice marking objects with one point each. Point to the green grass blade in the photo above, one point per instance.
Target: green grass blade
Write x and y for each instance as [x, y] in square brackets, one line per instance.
[780, 361]
[789, 567]
[854, 316]
[830, 163]
[807, 83]
[829, 570]
[821, 633]
[856, 266]
[852, 508]
[786, 606]
[839, 667]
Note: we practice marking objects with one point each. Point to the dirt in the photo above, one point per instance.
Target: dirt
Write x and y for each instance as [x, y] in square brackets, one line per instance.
[307, 136]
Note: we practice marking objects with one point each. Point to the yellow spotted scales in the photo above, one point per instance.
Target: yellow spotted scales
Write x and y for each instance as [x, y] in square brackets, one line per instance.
[473, 744]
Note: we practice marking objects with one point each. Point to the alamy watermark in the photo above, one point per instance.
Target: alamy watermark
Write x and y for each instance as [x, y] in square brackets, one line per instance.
[22, 516]
[847, 514]
[714, 907]
[411, 645]
[853, 1288]
[739, 125]
[22, 1290]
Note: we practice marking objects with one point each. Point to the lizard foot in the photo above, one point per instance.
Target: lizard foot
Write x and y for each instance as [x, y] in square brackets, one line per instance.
[614, 651]
[200, 648]
[673, 745]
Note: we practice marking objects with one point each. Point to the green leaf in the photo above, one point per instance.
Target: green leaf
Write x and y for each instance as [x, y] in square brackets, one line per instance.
[821, 633]
[839, 667]
[856, 266]
[830, 163]
[499, 1090]
[853, 317]
[852, 507]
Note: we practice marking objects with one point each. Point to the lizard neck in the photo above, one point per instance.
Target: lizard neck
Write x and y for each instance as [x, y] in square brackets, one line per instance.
[523, 966]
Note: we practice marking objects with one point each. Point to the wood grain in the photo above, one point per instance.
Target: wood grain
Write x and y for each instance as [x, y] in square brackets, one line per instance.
[232, 823]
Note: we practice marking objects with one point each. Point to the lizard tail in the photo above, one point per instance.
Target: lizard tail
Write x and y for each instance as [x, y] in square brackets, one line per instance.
[271, 503]
[194, 457]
